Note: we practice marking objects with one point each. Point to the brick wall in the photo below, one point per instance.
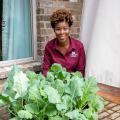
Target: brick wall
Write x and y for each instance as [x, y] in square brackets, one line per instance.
[44, 10]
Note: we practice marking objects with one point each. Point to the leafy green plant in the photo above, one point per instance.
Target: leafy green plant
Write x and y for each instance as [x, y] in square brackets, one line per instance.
[58, 96]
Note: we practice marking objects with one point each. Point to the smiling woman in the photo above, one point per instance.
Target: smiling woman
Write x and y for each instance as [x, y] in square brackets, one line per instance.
[64, 49]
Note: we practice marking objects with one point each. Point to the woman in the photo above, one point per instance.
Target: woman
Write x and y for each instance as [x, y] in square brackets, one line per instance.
[63, 49]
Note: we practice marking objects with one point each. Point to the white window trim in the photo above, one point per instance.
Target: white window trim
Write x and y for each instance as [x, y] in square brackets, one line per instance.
[73, 0]
[34, 42]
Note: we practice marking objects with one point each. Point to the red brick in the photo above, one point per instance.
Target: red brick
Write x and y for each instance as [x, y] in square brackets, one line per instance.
[111, 105]
[117, 118]
[116, 108]
[114, 115]
[103, 115]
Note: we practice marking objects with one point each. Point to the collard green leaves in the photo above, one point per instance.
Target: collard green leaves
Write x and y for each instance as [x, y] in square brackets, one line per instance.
[58, 96]
[20, 84]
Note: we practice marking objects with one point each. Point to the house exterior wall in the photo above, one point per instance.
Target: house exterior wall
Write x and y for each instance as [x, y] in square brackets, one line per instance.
[44, 31]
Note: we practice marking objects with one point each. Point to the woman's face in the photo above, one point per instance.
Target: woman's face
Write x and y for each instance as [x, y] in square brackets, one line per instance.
[62, 31]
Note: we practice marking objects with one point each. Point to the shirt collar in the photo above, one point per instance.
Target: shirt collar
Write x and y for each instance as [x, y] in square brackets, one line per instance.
[71, 47]
[72, 44]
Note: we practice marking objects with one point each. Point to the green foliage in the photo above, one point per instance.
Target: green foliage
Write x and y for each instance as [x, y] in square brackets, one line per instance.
[58, 96]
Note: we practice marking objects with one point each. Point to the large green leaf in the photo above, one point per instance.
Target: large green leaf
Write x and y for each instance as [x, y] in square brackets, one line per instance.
[1, 102]
[67, 100]
[61, 106]
[4, 99]
[66, 103]
[58, 118]
[15, 118]
[62, 75]
[89, 90]
[41, 77]
[31, 75]
[50, 76]
[53, 95]
[8, 85]
[76, 86]
[34, 92]
[51, 110]
[97, 103]
[77, 73]
[82, 117]
[24, 114]
[20, 84]
[88, 113]
[91, 85]
[32, 108]
[56, 68]
[45, 82]
[73, 114]
[59, 85]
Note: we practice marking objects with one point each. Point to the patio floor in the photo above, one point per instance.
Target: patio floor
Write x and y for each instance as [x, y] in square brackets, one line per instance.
[110, 112]
[112, 104]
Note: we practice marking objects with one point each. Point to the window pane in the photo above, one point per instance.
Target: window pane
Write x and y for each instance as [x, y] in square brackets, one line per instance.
[16, 31]
[1, 29]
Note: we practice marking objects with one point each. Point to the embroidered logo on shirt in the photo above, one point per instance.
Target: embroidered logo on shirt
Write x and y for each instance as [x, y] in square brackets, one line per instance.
[73, 54]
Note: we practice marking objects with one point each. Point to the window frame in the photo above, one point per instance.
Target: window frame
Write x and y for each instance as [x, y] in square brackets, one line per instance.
[73, 0]
[34, 41]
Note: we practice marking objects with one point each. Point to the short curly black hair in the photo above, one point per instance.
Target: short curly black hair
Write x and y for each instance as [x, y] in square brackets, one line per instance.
[61, 15]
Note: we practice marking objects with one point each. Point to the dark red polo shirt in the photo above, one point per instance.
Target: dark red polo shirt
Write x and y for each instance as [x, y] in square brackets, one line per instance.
[73, 60]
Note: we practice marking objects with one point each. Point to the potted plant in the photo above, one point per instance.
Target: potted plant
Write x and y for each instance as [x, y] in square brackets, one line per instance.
[58, 96]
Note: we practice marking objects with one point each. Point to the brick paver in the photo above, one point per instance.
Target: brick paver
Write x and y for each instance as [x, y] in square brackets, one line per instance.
[110, 112]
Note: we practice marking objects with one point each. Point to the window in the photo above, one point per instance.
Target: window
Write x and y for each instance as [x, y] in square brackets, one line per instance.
[17, 31]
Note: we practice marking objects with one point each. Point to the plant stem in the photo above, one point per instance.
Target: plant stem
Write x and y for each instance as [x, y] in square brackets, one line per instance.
[12, 112]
